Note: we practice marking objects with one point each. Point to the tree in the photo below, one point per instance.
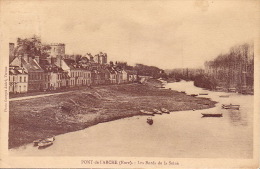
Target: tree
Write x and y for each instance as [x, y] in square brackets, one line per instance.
[31, 47]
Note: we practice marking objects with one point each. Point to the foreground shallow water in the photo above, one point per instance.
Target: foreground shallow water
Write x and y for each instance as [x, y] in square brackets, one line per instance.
[183, 134]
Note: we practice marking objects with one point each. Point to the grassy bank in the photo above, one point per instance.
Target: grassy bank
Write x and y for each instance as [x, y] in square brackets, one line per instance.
[52, 115]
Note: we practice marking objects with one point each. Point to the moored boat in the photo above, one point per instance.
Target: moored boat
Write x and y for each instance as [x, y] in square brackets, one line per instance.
[203, 93]
[193, 95]
[36, 142]
[224, 96]
[165, 110]
[50, 139]
[230, 106]
[156, 111]
[211, 114]
[44, 143]
[147, 112]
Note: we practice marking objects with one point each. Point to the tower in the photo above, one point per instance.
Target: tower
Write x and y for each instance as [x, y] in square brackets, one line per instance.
[57, 52]
[11, 52]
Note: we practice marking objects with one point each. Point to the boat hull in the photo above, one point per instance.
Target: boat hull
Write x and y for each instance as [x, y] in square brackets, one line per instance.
[157, 111]
[44, 144]
[211, 115]
[165, 111]
[143, 112]
[36, 142]
[235, 107]
[193, 95]
[223, 96]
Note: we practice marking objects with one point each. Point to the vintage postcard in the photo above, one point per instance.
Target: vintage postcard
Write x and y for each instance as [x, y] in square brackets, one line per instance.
[129, 84]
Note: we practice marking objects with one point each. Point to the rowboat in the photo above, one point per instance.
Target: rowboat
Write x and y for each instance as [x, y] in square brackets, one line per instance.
[50, 139]
[165, 110]
[230, 106]
[156, 111]
[36, 142]
[149, 121]
[147, 112]
[44, 143]
[211, 114]
[193, 95]
[203, 93]
[224, 96]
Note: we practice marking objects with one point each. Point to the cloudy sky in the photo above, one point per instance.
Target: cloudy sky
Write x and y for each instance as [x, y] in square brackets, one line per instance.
[167, 34]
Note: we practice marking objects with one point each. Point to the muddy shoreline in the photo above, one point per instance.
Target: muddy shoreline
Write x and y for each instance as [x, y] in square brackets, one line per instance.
[58, 114]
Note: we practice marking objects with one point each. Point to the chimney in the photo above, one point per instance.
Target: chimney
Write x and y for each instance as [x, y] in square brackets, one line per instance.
[52, 61]
[20, 60]
[11, 52]
[58, 60]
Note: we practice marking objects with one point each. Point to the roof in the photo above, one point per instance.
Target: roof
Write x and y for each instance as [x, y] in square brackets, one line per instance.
[71, 63]
[111, 70]
[84, 59]
[16, 71]
[48, 67]
[32, 65]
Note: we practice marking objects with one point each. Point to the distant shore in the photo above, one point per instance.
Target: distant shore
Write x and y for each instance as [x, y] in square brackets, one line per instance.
[58, 114]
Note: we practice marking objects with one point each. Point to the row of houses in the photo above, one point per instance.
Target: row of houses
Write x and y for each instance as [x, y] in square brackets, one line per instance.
[29, 74]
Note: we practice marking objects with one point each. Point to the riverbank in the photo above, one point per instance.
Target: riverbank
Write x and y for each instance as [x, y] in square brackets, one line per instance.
[58, 114]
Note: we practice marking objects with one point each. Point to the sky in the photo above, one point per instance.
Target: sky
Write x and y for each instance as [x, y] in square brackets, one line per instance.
[167, 34]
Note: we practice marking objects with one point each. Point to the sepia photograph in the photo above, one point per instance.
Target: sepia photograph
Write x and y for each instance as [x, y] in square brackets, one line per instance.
[130, 84]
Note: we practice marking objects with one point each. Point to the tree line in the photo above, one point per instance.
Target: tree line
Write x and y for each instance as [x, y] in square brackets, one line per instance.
[234, 69]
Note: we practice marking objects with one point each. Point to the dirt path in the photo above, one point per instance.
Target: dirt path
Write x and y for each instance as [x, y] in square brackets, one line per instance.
[36, 96]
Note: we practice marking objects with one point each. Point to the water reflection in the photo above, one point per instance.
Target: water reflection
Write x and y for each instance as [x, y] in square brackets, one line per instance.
[237, 117]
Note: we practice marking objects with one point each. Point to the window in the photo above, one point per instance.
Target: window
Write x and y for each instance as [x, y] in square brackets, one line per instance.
[24, 79]
[20, 79]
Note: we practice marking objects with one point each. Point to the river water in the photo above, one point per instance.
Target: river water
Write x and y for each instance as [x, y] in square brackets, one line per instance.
[183, 134]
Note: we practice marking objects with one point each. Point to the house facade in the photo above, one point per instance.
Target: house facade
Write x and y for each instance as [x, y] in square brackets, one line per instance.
[35, 72]
[131, 76]
[18, 80]
[124, 76]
